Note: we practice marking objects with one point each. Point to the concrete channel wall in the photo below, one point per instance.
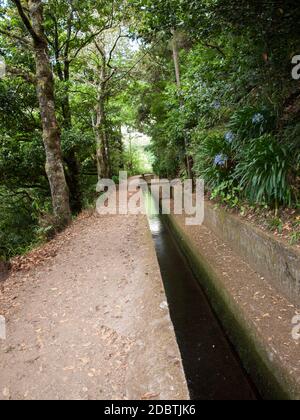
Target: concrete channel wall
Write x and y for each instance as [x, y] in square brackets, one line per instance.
[252, 282]
[257, 318]
[277, 262]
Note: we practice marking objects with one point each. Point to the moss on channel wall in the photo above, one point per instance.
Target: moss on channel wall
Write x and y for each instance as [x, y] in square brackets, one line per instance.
[270, 379]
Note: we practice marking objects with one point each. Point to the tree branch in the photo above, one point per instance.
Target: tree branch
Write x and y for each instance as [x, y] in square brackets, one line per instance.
[100, 50]
[87, 42]
[215, 47]
[14, 71]
[16, 37]
[26, 20]
[120, 36]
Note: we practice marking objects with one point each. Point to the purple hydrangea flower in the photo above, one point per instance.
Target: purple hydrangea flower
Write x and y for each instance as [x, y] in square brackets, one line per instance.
[229, 137]
[216, 105]
[221, 160]
[258, 118]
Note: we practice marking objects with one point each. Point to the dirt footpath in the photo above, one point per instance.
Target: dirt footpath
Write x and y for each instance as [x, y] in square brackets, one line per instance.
[90, 323]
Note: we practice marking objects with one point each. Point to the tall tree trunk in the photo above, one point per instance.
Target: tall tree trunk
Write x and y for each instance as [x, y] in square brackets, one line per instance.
[107, 147]
[101, 140]
[51, 132]
[100, 127]
[66, 108]
[70, 158]
[178, 82]
[118, 140]
[73, 180]
[102, 149]
[176, 60]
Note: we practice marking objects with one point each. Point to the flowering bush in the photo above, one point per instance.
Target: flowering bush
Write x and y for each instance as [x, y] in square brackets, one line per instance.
[230, 137]
[258, 118]
[221, 160]
[212, 156]
[216, 105]
[248, 123]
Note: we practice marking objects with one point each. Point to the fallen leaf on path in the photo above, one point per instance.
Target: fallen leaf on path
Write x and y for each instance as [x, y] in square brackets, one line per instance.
[149, 396]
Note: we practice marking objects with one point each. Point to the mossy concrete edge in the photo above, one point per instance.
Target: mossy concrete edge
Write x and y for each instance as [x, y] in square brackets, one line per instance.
[271, 378]
[269, 256]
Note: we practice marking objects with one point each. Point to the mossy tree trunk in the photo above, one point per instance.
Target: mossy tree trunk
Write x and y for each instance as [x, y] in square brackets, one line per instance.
[33, 20]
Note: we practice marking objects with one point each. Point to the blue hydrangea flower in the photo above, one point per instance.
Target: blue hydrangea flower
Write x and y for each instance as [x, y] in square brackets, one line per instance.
[229, 137]
[221, 160]
[258, 118]
[216, 105]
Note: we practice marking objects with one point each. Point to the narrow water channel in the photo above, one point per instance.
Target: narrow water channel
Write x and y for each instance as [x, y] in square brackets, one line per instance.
[213, 369]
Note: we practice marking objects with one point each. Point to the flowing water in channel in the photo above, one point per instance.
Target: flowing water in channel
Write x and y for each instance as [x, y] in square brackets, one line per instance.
[213, 369]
